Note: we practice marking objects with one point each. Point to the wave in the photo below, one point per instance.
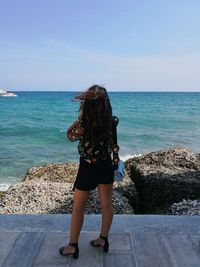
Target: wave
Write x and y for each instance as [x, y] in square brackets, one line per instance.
[4, 187]
[126, 157]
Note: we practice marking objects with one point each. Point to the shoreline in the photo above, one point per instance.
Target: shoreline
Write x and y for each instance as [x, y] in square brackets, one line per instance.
[5, 186]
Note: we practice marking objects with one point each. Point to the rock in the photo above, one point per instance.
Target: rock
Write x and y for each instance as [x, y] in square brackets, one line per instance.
[120, 203]
[165, 177]
[128, 190]
[2, 194]
[65, 172]
[185, 207]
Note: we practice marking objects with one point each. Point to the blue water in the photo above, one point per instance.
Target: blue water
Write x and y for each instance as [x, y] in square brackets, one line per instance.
[33, 127]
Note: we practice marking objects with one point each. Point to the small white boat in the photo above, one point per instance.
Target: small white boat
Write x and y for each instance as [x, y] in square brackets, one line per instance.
[5, 93]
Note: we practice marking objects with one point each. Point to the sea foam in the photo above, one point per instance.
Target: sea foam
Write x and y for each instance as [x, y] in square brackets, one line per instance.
[4, 187]
[126, 157]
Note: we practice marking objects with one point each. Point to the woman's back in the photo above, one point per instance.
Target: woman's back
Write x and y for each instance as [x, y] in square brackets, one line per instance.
[96, 122]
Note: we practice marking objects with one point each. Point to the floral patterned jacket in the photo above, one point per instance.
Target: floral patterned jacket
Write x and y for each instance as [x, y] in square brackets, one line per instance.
[87, 150]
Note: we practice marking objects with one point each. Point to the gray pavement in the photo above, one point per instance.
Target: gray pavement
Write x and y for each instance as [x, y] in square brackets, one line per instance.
[135, 240]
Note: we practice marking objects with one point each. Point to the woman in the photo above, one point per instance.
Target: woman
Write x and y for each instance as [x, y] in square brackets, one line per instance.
[93, 129]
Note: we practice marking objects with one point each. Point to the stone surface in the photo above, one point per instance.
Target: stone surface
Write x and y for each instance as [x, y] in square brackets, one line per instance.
[119, 260]
[25, 250]
[195, 239]
[34, 240]
[7, 240]
[48, 254]
[120, 242]
[180, 251]
[149, 249]
[165, 177]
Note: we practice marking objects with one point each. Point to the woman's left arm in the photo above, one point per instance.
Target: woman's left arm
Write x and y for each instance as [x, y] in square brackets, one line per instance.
[75, 131]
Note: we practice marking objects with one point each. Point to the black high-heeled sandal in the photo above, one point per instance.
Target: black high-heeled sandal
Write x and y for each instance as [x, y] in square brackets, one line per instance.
[105, 246]
[75, 253]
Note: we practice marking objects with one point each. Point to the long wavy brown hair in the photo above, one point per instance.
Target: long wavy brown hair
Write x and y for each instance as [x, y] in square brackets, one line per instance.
[96, 114]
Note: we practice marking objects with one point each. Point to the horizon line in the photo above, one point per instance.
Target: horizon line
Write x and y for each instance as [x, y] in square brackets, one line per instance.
[113, 91]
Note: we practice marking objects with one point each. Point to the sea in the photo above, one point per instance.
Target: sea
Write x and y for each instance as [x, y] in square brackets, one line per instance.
[33, 127]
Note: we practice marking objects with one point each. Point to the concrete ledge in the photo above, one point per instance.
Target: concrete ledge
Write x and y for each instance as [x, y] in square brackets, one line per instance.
[121, 223]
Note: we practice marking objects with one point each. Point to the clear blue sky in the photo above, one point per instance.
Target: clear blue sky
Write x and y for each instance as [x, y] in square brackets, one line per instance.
[125, 45]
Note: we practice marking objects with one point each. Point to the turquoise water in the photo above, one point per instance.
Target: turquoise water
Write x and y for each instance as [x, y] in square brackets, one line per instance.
[33, 126]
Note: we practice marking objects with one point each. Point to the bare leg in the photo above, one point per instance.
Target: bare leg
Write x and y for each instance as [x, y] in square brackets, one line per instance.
[105, 196]
[80, 201]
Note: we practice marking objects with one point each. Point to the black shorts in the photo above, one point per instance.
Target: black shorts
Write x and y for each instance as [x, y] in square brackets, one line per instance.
[90, 175]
